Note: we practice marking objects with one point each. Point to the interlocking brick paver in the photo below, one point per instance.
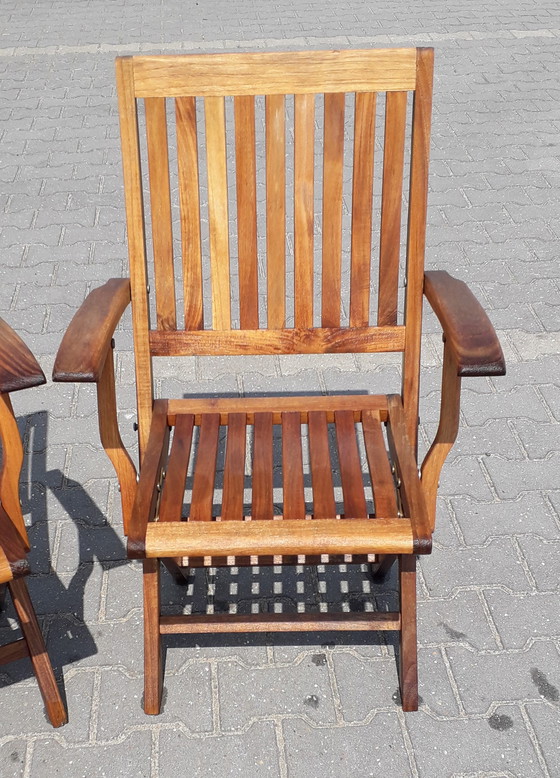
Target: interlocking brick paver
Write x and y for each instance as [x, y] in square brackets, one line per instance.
[488, 622]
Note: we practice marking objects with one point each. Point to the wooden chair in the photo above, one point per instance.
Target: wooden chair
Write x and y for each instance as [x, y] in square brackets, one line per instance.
[177, 434]
[19, 370]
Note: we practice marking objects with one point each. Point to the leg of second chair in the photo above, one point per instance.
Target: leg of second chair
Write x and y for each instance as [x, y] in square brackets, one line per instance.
[153, 667]
[408, 638]
[56, 710]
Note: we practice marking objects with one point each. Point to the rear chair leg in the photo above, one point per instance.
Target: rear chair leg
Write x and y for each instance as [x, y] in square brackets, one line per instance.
[153, 668]
[56, 710]
[408, 659]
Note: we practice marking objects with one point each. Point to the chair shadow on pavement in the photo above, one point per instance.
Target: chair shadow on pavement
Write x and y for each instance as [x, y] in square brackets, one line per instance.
[58, 591]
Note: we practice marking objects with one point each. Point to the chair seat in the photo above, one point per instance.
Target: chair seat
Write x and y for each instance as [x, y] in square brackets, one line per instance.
[307, 479]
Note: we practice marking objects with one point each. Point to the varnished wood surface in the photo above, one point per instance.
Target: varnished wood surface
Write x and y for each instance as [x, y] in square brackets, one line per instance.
[280, 72]
[10, 468]
[302, 340]
[280, 536]
[279, 622]
[86, 342]
[468, 331]
[18, 367]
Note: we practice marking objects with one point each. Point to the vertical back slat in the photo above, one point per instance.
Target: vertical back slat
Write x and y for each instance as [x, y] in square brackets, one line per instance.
[362, 203]
[333, 160]
[246, 178]
[382, 482]
[136, 246]
[292, 466]
[275, 134]
[350, 467]
[304, 134]
[234, 468]
[262, 505]
[416, 239]
[189, 203]
[321, 469]
[218, 211]
[391, 208]
[171, 505]
[160, 207]
[205, 468]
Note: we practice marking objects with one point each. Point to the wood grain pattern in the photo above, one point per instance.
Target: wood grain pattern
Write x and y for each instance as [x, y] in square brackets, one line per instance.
[234, 469]
[279, 622]
[136, 246]
[321, 467]
[13, 548]
[333, 161]
[408, 653]
[304, 140]
[218, 217]
[146, 498]
[18, 367]
[416, 239]
[160, 212]
[275, 128]
[262, 505]
[302, 340]
[171, 504]
[205, 469]
[379, 466]
[362, 204]
[350, 466]
[280, 72]
[13, 651]
[10, 468]
[391, 207]
[328, 404]
[246, 180]
[292, 466]
[111, 439]
[56, 710]
[153, 664]
[278, 537]
[469, 335]
[412, 494]
[87, 341]
[189, 204]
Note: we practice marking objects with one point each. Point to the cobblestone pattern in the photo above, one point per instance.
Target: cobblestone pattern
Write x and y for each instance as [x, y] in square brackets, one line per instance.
[489, 629]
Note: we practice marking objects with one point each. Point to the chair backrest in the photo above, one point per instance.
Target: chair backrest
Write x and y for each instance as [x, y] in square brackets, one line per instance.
[263, 282]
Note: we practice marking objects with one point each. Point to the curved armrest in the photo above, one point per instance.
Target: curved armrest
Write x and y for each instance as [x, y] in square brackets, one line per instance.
[83, 351]
[18, 366]
[468, 331]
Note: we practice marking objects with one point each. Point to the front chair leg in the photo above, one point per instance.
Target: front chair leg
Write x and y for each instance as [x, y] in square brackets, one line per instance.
[56, 710]
[408, 657]
[153, 667]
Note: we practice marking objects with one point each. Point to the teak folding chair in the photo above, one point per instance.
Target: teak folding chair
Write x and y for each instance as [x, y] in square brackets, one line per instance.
[316, 299]
[19, 370]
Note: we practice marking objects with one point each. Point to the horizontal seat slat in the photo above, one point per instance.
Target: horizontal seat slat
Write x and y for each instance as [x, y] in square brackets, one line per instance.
[279, 622]
[285, 536]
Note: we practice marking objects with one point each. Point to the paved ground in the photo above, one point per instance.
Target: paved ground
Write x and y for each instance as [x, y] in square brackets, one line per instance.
[489, 628]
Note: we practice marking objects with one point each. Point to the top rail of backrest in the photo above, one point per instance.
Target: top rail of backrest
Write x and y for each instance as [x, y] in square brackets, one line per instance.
[267, 73]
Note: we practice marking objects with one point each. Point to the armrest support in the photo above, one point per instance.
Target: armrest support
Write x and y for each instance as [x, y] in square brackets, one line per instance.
[468, 331]
[18, 366]
[86, 343]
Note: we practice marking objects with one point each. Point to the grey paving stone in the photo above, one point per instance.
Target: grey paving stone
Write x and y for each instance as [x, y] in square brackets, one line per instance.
[520, 618]
[465, 476]
[494, 564]
[543, 558]
[539, 440]
[519, 402]
[480, 521]
[80, 543]
[473, 746]
[130, 756]
[376, 748]
[512, 478]
[546, 723]
[187, 699]
[252, 753]
[302, 689]
[12, 757]
[457, 619]
[486, 678]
